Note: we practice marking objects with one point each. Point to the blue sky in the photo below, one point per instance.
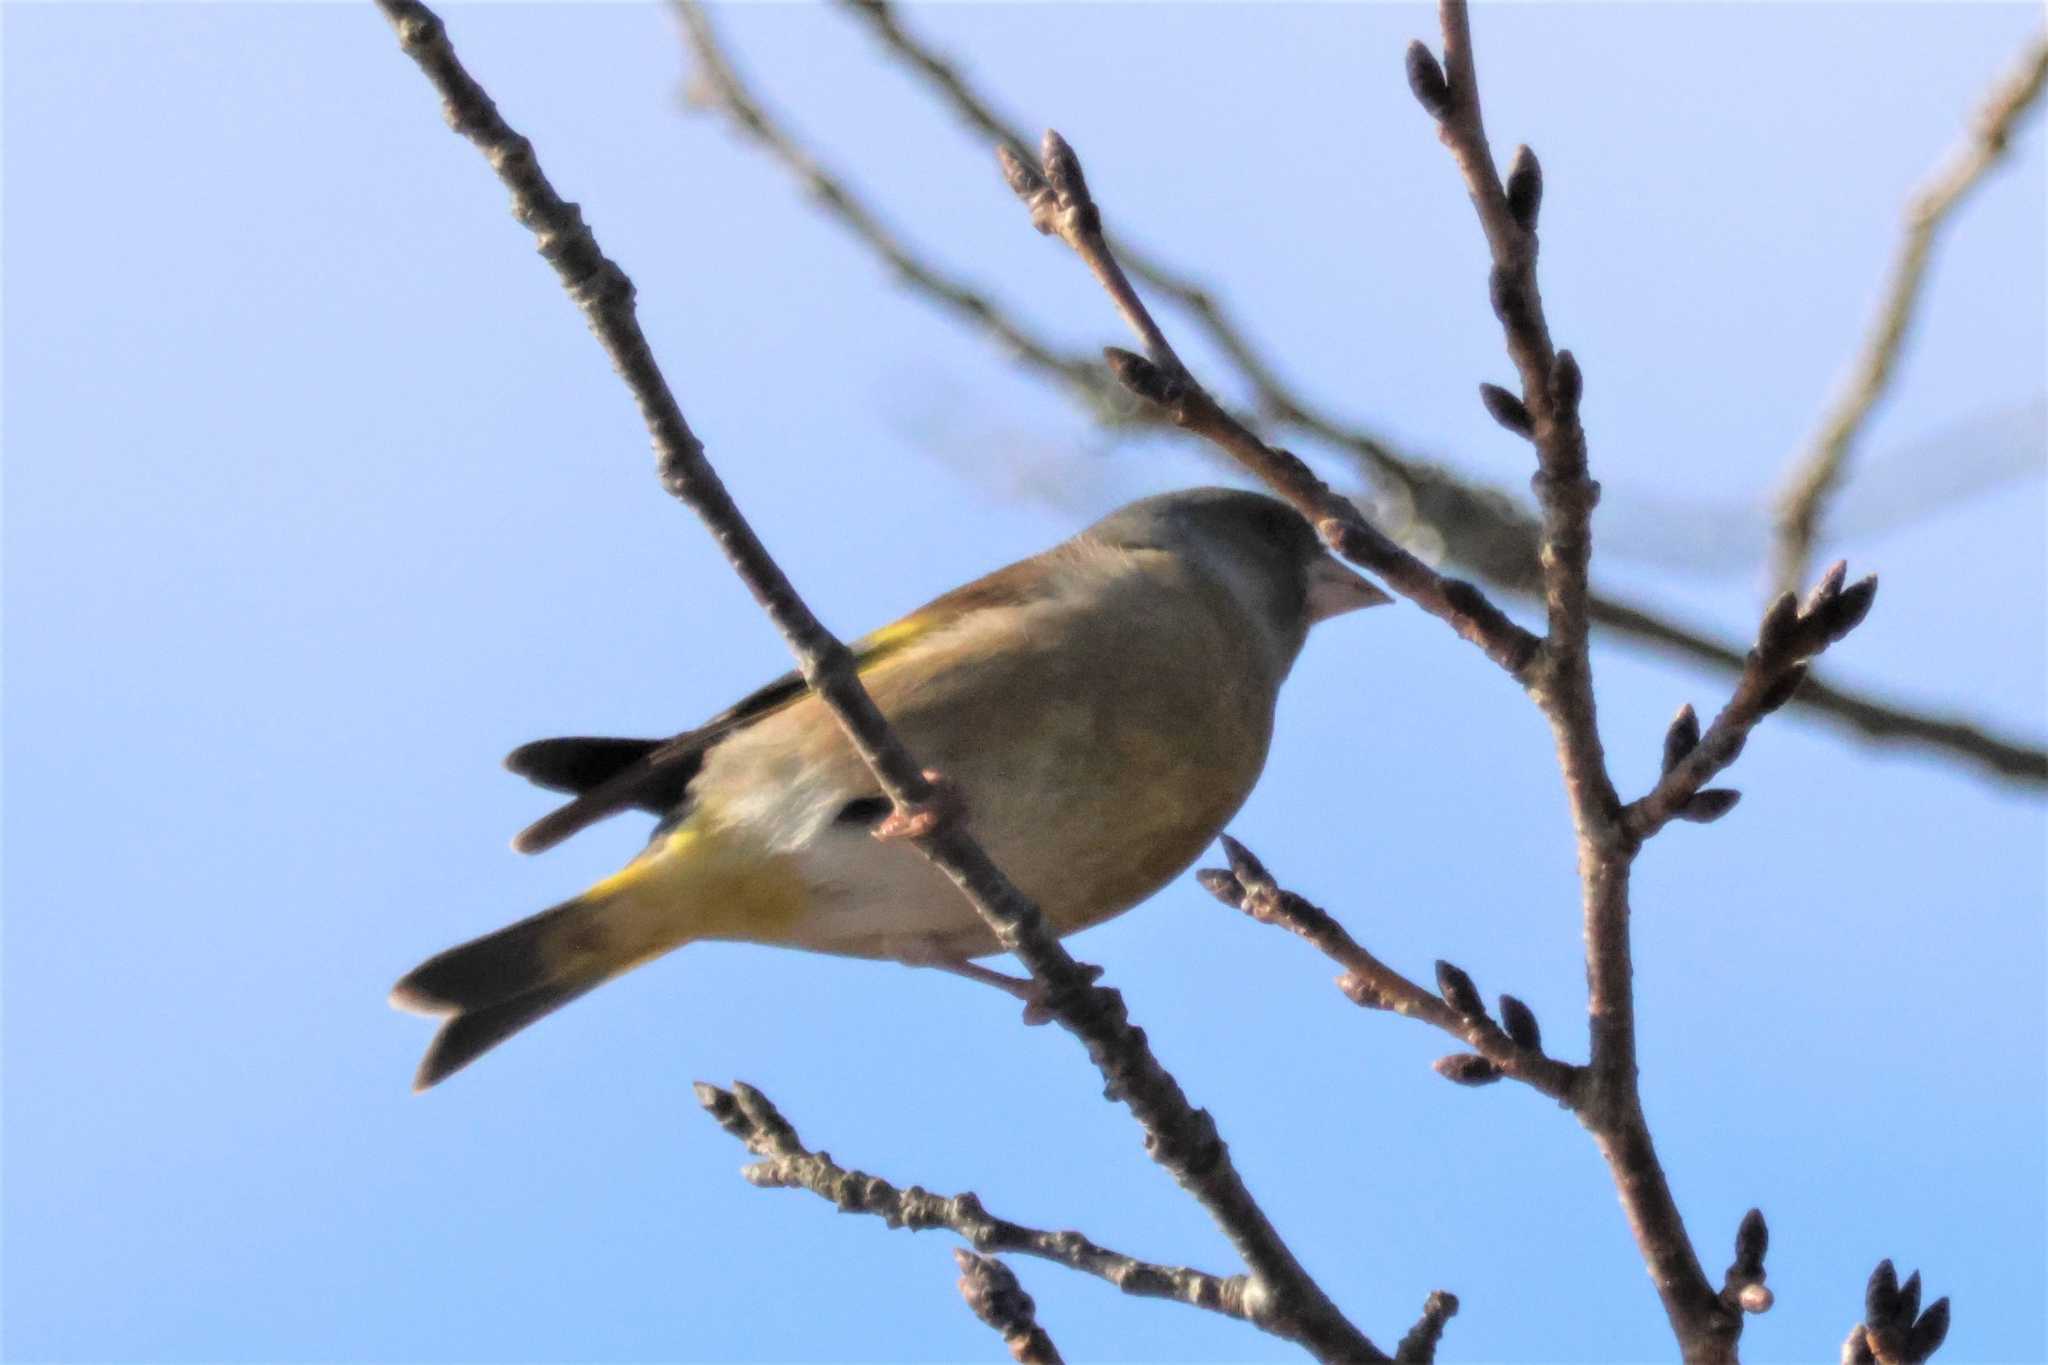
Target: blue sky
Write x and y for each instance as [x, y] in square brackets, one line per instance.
[319, 499]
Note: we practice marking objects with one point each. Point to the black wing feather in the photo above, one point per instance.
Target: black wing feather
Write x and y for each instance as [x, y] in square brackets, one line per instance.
[576, 764]
[611, 775]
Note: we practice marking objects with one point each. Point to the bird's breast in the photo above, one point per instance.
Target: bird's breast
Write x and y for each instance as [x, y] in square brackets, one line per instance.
[1098, 753]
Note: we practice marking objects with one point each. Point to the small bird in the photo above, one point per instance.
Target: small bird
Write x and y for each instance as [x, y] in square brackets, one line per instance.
[1099, 710]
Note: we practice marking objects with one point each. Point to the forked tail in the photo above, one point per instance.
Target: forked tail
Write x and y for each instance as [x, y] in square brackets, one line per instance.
[494, 986]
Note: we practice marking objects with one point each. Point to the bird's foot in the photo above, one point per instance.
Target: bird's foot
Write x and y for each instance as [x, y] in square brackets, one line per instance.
[1024, 988]
[942, 806]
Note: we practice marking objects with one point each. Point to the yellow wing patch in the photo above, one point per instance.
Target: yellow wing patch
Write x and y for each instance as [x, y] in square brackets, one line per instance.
[700, 882]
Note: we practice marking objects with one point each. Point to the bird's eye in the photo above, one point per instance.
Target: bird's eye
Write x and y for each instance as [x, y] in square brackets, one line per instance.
[1282, 526]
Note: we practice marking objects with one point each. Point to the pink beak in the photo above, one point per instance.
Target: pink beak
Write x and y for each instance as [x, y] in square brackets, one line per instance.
[1334, 589]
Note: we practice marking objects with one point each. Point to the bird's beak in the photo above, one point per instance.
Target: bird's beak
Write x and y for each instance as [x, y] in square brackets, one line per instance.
[1334, 589]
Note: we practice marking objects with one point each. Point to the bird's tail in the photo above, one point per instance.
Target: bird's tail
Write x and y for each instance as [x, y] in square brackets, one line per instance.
[688, 885]
[494, 986]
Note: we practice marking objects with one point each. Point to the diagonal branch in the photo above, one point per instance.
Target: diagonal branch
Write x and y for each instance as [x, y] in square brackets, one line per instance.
[1179, 1136]
[1056, 193]
[1792, 633]
[719, 83]
[1511, 1049]
[1276, 401]
[786, 1163]
[1479, 527]
[1871, 717]
[1515, 1052]
[1820, 468]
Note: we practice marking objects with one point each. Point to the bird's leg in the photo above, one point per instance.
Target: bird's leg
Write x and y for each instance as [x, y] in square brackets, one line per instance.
[927, 953]
[942, 806]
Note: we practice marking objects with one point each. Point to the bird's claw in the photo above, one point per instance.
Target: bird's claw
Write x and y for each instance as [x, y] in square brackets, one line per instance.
[1034, 995]
[941, 806]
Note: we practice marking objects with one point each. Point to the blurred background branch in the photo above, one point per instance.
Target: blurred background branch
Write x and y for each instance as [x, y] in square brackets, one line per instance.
[1823, 465]
[1422, 504]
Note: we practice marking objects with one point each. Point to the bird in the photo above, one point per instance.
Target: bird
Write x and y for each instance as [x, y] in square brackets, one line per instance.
[1097, 711]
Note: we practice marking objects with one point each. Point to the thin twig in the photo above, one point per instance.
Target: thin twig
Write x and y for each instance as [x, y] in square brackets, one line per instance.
[1179, 1136]
[994, 1295]
[1792, 632]
[719, 83]
[1820, 467]
[1875, 719]
[1418, 1347]
[1056, 193]
[1060, 204]
[1611, 1104]
[1479, 527]
[1605, 1095]
[1549, 408]
[786, 1163]
[1372, 984]
[1275, 399]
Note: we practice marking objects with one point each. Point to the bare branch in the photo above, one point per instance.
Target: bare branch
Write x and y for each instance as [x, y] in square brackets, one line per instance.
[786, 1163]
[1817, 471]
[1277, 1295]
[1275, 399]
[1791, 634]
[1551, 387]
[1056, 193]
[1608, 1101]
[1873, 718]
[1372, 984]
[1179, 1136]
[1478, 527]
[719, 83]
[994, 1295]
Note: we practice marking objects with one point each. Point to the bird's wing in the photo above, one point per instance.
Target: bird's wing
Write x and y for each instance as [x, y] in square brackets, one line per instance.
[611, 775]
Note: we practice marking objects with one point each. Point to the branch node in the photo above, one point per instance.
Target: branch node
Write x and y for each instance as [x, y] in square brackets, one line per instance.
[1247, 869]
[1418, 1347]
[1709, 804]
[1519, 1022]
[1458, 992]
[1774, 634]
[993, 1294]
[1150, 382]
[1783, 690]
[1827, 589]
[1507, 410]
[1682, 738]
[1426, 79]
[1752, 1241]
[1743, 1289]
[1567, 386]
[1029, 185]
[1525, 188]
[1467, 1068]
[1894, 1330]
